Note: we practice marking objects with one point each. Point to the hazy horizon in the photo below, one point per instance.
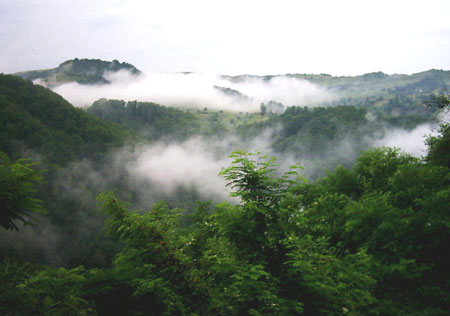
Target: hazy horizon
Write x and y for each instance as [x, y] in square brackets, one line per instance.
[231, 75]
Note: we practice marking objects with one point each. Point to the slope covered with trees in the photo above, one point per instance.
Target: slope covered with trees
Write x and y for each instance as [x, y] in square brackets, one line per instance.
[313, 134]
[152, 120]
[84, 71]
[33, 118]
[371, 240]
[39, 124]
[393, 94]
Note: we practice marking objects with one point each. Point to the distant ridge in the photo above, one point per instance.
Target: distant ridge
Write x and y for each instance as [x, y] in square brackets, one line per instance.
[371, 88]
[394, 93]
[84, 71]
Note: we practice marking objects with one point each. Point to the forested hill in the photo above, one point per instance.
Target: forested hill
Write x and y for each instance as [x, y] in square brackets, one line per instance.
[397, 94]
[154, 121]
[35, 119]
[313, 135]
[430, 81]
[85, 71]
[39, 124]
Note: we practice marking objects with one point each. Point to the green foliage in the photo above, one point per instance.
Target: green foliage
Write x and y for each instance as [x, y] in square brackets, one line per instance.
[37, 123]
[331, 284]
[286, 271]
[35, 118]
[152, 262]
[254, 179]
[28, 290]
[370, 240]
[152, 120]
[317, 134]
[18, 182]
[439, 147]
[84, 71]
[367, 241]
[398, 214]
[375, 167]
[241, 259]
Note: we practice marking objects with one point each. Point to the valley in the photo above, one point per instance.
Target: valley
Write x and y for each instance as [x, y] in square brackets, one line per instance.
[193, 194]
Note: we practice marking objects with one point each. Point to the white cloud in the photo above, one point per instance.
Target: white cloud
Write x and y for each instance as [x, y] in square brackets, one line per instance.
[412, 142]
[190, 164]
[196, 90]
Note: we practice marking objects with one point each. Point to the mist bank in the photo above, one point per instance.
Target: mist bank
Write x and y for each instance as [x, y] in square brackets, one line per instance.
[83, 81]
[178, 173]
[412, 142]
[195, 90]
[158, 171]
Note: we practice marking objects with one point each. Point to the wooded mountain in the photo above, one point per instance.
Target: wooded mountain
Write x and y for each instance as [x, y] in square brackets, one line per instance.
[37, 123]
[35, 119]
[84, 71]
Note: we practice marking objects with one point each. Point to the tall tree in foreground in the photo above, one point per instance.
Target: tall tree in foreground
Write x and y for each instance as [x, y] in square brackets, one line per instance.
[255, 258]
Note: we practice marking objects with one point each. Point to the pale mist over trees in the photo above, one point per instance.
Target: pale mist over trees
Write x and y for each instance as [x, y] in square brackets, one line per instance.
[191, 194]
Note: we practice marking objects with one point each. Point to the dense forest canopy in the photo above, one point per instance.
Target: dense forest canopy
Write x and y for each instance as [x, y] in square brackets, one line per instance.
[354, 229]
[34, 118]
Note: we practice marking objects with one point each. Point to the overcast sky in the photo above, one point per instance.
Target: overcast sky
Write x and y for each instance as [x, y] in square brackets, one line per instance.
[229, 37]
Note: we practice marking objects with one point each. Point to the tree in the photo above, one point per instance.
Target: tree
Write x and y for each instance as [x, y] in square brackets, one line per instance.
[18, 182]
[439, 146]
[263, 108]
[267, 256]
[252, 175]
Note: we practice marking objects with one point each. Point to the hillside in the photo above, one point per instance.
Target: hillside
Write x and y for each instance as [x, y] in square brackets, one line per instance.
[40, 125]
[35, 119]
[85, 71]
[429, 81]
[313, 135]
[155, 121]
[397, 94]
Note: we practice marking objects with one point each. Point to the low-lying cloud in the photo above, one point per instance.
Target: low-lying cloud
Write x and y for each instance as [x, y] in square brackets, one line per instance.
[196, 90]
[154, 172]
[189, 164]
[147, 173]
[411, 142]
[151, 172]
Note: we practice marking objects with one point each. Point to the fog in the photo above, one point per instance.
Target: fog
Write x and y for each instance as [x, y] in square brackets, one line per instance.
[178, 173]
[41, 241]
[196, 90]
[411, 142]
[157, 171]
[193, 163]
